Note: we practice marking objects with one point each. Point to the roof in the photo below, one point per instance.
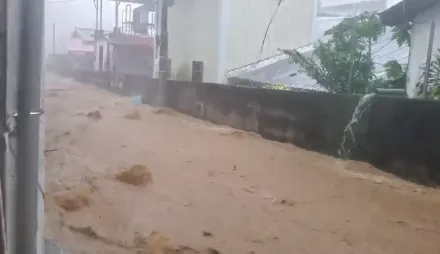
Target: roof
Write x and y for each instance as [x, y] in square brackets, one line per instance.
[349, 7]
[405, 11]
[86, 34]
[278, 70]
[129, 39]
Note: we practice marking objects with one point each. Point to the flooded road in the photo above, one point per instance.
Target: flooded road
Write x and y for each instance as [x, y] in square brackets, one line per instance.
[125, 178]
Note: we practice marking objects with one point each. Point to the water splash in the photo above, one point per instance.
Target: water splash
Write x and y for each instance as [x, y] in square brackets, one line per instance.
[355, 125]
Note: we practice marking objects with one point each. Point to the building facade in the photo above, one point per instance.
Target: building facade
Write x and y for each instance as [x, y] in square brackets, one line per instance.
[419, 45]
[421, 13]
[227, 34]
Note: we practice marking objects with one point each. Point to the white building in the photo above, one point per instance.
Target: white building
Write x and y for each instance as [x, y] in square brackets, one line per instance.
[227, 34]
[421, 13]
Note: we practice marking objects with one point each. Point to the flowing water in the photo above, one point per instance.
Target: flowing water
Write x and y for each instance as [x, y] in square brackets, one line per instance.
[355, 126]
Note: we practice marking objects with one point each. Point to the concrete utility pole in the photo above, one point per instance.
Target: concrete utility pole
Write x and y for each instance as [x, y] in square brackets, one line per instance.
[428, 60]
[96, 3]
[24, 193]
[163, 51]
[117, 3]
[100, 15]
[3, 121]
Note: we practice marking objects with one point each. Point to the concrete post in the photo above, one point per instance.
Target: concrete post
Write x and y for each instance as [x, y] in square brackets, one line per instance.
[25, 211]
[163, 53]
[428, 60]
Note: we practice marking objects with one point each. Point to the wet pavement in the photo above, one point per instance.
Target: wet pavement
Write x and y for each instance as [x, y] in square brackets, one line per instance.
[118, 172]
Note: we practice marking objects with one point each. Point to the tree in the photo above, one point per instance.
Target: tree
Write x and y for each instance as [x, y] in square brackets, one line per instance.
[348, 47]
[402, 34]
[433, 89]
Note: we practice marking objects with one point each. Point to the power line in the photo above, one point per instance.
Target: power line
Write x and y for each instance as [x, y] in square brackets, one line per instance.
[268, 26]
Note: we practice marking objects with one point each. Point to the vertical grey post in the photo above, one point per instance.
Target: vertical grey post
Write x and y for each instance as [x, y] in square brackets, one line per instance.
[100, 15]
[96, 3]
[28, 237]
[3, 59]
[163, 53]
[353, 42]
[428, 60]
[53, 38]
[117, 15]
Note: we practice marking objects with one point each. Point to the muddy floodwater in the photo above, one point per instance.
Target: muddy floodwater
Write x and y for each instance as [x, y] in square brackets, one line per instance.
[126, 178]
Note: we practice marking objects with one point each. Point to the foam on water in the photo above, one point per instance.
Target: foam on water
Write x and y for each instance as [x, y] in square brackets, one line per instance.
[349, 136]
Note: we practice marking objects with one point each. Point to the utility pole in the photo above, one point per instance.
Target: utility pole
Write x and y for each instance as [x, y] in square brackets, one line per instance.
[163, 52]
[96, 3]
[3, 123]
[428, 60]
[100, 15]
[53, 38]
[24, 200]
[353, 42]
[117, 3]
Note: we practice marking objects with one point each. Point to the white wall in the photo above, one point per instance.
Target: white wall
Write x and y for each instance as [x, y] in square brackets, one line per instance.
[227, 34]
[99, 43]
[194, 36]
[419, 45]
[292, 27]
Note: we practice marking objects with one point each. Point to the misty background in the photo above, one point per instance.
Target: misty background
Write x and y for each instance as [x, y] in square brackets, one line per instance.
[68, 14]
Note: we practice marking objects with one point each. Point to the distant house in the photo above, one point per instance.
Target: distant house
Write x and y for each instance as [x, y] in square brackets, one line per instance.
[278, 70]
[82, 41]
[421, 13]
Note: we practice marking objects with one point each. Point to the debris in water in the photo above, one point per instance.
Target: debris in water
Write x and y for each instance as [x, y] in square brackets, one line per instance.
[94, 115]
[86, 231]
[137, 175]
[164, 111]
[50, 150]
[72, 203]
[211, 251]
[207, 234]
[135, 115]
[235, 167]
[139, 241]
[285, 202]
[89, 232]
[158, 243]
[251, 189]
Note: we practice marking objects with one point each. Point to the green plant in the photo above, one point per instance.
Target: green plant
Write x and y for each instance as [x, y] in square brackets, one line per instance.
[348, 48]
[348, 51]
[402, 34]
[433, 85]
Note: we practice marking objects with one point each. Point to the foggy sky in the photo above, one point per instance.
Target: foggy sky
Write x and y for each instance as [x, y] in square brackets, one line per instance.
[68, 15]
